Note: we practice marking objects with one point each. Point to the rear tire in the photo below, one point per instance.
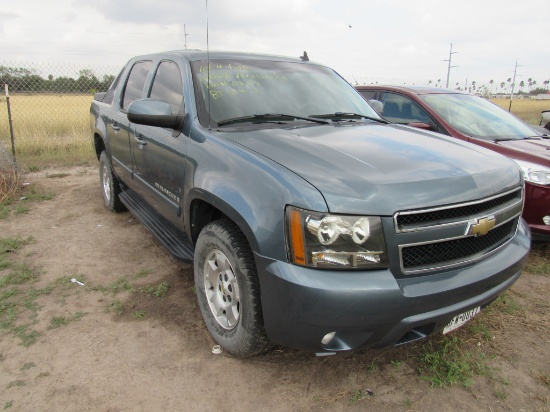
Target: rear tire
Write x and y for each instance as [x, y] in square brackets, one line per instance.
[228, 290]
[110, 187]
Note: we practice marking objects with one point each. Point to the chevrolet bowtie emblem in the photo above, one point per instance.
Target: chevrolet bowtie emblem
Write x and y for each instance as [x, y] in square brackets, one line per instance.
[481, 227]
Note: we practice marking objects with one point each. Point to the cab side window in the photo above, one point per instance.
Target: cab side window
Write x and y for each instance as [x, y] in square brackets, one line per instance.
[135, 84]
[367, 94]
[401, 109]
[168, 85]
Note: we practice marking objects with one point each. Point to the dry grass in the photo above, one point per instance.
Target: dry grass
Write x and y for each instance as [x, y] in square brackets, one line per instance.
[9, 184]
[526, 109]
[49, 129]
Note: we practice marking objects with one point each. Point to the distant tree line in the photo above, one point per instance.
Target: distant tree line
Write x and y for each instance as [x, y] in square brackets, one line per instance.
[21, 80]
[504, 88]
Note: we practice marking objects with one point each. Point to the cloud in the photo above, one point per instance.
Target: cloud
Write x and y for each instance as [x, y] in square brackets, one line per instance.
[396, 38]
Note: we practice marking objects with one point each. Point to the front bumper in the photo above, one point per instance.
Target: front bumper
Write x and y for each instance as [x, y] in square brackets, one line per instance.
[537, 206]
[374, 308]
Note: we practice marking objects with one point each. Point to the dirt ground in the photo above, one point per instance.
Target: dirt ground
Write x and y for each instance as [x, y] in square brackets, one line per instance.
[111, 346]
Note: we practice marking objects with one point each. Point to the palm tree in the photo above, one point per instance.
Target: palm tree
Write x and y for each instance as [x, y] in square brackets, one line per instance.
[491, 88]
[530, 83]
[502, 86]
[521, 85]
[546, 84]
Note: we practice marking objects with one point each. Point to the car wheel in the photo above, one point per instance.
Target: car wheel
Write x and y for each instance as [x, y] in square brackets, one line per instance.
[109, 185]
[228, 290]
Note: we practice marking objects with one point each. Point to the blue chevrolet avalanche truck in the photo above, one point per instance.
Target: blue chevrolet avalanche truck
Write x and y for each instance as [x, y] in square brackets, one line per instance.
[311, 222]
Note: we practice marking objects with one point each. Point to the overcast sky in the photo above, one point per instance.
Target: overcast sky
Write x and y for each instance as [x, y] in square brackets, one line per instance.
[364, 40]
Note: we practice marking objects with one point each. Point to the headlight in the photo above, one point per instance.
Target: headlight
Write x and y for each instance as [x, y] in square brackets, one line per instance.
[534, 173]
[335, 241]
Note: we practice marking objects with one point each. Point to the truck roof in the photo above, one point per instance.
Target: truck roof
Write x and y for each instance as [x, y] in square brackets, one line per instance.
[193, 55]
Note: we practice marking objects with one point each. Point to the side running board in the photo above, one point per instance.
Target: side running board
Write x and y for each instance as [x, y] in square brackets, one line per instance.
[173, 239]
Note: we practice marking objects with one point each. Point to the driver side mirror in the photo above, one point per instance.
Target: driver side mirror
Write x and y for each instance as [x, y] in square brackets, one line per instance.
[420, 125]
[152, 112]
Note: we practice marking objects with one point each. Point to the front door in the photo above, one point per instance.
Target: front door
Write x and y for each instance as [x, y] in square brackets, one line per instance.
[159, 154]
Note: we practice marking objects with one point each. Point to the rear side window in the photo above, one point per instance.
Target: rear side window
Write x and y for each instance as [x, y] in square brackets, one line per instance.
[168, 86]
[110, 95]
[135, 84]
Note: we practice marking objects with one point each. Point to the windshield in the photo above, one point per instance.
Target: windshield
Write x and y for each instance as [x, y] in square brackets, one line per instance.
[243, 88]
[477, 117]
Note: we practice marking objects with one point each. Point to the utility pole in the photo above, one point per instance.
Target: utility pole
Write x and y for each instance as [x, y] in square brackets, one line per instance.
[185, 37]
[513, 84]
[514, 80]
[451, 52]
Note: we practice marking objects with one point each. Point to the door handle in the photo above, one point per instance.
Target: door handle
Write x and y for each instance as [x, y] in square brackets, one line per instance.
[115, 127]
[139, 140]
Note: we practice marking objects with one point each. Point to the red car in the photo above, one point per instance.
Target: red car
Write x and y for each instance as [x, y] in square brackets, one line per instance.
[476, 120]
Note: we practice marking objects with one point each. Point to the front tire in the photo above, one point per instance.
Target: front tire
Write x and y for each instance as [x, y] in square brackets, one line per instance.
[110, 187]
[228, 290]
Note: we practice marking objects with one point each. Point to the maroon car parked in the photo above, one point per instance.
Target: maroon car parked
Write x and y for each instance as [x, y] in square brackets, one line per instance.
[476, 120]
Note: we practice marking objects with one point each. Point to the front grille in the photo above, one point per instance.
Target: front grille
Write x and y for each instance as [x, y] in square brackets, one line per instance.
[453, 235]
[447, 252]
[438, 216]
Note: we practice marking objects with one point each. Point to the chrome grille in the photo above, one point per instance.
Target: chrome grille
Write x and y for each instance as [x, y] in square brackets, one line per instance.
[436, 216]
[444, 237]
[457, 249]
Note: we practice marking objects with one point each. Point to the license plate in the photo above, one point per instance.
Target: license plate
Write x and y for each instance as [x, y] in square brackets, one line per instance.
[461, 319]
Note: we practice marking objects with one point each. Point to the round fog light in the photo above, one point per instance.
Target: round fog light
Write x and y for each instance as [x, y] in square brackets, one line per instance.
[546, 220]
[327, 338]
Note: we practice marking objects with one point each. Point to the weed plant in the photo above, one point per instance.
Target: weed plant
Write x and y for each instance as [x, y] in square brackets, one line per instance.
[9, 184]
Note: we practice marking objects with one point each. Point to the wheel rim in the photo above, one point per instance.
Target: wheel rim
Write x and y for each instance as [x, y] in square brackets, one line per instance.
[106, 182]
[222, 290]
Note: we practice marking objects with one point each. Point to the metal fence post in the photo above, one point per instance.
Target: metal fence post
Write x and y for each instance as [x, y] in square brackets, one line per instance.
[11, 127]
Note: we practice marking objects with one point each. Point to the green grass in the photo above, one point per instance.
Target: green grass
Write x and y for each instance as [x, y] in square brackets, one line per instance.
[19, 304]
[18, 200]
[139, 314]
[444, 363]
[159, 291]
[27, 366]
[58, 321]
[21, 273]
[17, 383]
[539, 260]
[4, 211]
[116, 306]
[358, 395]
[480, 328]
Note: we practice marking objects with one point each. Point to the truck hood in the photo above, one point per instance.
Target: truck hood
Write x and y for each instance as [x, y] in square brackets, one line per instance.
[379, 169]
[536, 148]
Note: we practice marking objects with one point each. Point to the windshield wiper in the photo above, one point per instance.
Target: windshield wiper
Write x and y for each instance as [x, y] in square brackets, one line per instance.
[508, 139]
[267, 117]
[344, 115]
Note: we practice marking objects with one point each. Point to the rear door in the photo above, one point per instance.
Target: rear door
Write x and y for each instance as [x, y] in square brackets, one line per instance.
[119, 129]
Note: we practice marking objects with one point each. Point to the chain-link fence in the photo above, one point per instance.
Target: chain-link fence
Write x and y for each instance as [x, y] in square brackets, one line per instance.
[50, 106]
